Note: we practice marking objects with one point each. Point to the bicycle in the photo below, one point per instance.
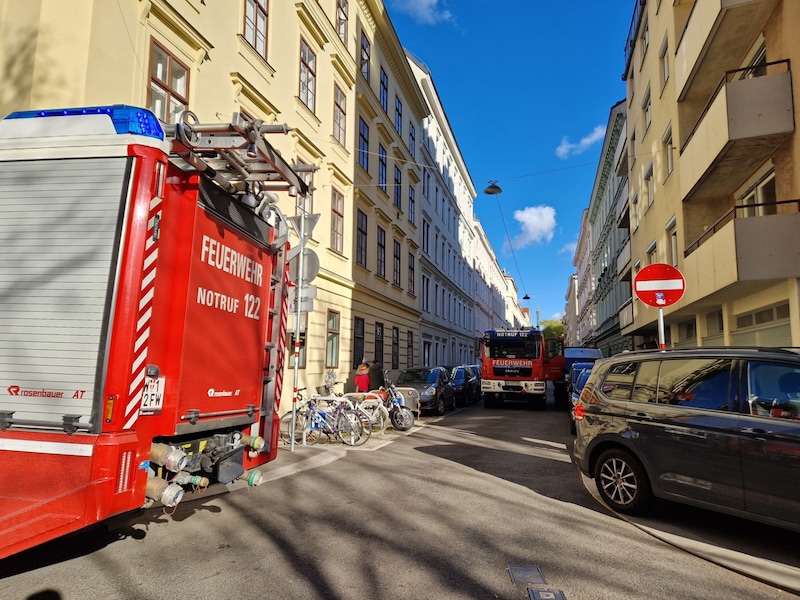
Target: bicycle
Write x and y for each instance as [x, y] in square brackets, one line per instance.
[343, 422]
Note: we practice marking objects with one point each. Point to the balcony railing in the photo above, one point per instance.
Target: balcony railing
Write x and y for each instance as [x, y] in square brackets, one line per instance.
[737, 212]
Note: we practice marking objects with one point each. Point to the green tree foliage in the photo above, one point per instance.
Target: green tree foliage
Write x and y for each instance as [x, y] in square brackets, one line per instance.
[552, 329]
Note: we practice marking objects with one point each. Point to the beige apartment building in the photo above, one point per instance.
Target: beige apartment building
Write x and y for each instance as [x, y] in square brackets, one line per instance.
[332, 70]
[712, 154]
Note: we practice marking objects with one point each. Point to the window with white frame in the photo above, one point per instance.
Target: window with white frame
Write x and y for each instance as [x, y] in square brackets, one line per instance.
[337, 221]
[758, 196]
[647, 109]
[384, 91]
[663, 61]
[396, 264]
[650, 184]
[652, 254]
[332, 341]
[382, 167]
[668, 152]
[308, 75]
[411, 273]
[363, 144]
[381, 254]
[672, 236]
[342, 18]
[256, 20]
[366, 49]
[339, 114]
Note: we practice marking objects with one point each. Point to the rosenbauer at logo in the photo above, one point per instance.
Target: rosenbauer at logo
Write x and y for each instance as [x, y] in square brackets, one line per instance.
[15, 390]
[212, 393]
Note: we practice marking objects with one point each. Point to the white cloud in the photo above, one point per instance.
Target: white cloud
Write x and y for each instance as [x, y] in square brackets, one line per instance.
[569, 248]
[538, 224]
[566, 148]
[425, 12]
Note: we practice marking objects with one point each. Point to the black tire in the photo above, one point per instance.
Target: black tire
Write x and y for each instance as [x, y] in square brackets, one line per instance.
[622, 482]
[440, 408]
[402, 418]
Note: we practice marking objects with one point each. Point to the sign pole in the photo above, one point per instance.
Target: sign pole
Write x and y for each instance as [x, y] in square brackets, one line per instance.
[299, 287]
[661, 341]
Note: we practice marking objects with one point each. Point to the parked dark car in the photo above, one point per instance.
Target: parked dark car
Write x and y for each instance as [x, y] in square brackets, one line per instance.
[578, 380]
[466, 386]
[717, 428]
[432, 383]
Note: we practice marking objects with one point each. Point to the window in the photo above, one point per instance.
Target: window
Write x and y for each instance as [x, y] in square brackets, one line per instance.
[663, 61]
[305, 201]
[696, 383]
[382, 167]
[365, 52]
[398, 188]
[342, 18]
[411, 206]
[410, 349]
[384, 93]
[411, 273]
[426, 235]
[714, 322]
[652, 255]
[412, 141]
[395, 348]
[396, 264]
[398, 115]
[756, 60]
[256, 19]
[339, 114]
[337, 221]
[687, 330]
[332, 342]
[648, 181]
[618, 382]
[773, 390]
[358, 341]
[381, 252]
[363, 144]
[308, 75]
[759, 199]
[361, 239]
[669, 152]
[647, 110]
[672, 233]
[426, 293]
[169, 85]
[379, 342]
[644, 37]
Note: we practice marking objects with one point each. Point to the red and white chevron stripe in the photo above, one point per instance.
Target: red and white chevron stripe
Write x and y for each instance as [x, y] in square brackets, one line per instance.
[145, 312]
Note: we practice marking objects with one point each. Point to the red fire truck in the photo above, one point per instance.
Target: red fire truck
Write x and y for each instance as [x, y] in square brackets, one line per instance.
[516, 364]
[144, 286]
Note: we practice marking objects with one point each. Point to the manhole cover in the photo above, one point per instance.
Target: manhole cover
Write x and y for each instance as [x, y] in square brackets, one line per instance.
[546, 594]
[525, 574]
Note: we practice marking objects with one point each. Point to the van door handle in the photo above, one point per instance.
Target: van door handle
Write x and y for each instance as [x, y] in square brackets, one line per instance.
[643, 417]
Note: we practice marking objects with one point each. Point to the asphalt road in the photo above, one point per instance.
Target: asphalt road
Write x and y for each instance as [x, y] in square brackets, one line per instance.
[483, 503]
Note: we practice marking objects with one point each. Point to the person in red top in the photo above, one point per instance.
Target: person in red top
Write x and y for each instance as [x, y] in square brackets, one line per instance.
[362, 377]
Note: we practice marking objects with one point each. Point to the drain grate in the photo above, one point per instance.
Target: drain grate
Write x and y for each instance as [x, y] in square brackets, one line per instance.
[546, 594]
[526, 574]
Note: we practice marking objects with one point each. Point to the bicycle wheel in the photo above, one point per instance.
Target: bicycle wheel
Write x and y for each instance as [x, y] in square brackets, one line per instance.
[353, 428]
[300, 427]
[376, 413]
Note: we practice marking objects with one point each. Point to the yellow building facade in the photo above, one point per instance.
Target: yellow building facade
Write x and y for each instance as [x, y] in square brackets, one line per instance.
[325, 68]
[712, 159]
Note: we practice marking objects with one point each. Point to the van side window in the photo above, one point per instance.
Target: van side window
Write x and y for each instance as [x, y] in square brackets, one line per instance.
[619, 381]
[773, 390]
[696, 383]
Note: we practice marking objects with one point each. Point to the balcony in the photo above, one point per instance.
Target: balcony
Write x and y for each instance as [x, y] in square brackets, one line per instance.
[624, 258]
[737, 252]
[626, 314]
[704, 50]
[741, 125]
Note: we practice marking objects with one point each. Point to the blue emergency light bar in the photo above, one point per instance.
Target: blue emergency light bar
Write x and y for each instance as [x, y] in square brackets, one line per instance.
[126, 119]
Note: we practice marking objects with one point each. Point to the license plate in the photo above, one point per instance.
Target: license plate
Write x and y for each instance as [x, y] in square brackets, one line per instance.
[152, 395]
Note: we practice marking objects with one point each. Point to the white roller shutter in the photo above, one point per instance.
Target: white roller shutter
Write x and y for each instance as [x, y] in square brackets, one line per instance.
[58, 221]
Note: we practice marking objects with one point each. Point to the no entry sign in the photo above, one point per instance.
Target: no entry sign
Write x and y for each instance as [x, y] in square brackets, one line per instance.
[659, 285]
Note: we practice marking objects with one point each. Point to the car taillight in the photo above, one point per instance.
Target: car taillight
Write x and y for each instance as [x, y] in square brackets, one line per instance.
[580, 412]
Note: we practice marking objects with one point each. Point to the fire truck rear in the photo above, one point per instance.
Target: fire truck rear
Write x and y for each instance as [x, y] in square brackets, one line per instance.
[144, 288]
[513, 367]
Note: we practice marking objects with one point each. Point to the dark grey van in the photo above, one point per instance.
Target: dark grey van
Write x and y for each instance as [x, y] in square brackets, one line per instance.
[717, 428]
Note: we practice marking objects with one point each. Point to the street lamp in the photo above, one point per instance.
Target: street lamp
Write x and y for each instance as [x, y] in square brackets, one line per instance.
[493, 189]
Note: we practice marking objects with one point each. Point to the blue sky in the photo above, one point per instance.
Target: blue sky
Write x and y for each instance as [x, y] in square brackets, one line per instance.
[527, 86]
